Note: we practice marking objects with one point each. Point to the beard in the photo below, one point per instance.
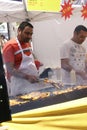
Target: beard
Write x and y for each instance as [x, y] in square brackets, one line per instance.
[26, 40]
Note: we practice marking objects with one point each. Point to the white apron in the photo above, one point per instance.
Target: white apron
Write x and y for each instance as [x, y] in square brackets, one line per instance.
[20, 85]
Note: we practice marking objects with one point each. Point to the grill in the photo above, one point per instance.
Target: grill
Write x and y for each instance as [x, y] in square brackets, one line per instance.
[50, 96]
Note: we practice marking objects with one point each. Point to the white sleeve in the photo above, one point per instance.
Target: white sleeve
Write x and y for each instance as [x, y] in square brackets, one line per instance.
[64, 51]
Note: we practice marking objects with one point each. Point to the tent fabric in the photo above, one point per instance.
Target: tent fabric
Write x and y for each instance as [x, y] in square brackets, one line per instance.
[13, 11]
[64, 116]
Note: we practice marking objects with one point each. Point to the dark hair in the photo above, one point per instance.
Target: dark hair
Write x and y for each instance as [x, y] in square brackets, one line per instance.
[79, 28]
[3, 36]
[24, 24]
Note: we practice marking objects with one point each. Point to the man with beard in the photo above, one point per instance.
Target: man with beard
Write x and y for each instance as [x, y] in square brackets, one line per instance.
[73, 57]
[22, 73]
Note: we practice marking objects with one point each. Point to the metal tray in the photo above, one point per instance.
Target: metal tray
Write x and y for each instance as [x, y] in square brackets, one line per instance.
[76, 93]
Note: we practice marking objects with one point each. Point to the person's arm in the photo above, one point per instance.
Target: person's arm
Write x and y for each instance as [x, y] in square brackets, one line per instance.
[18, 73]
[64, 57]
[65, 64]
[83, 74]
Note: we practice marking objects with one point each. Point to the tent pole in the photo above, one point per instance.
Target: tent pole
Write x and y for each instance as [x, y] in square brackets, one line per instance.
[8, 31]
[27, 18]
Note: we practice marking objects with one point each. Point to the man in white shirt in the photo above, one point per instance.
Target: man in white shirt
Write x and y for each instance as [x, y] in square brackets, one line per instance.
[73, 57]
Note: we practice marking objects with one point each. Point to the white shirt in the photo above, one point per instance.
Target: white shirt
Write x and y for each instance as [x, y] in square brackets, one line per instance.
[76, 55]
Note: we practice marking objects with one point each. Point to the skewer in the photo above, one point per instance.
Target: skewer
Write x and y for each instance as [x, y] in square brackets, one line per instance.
[55, 84]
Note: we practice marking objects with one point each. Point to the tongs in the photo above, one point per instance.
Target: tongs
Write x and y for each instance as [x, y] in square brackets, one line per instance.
[53, 83]
[57, 84]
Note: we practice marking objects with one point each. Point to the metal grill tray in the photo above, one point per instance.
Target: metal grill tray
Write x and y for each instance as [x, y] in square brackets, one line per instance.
[52, 99]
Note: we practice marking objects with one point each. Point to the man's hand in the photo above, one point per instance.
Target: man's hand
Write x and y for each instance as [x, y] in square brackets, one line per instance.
[82, 74]
[32, 78]
[65, 65]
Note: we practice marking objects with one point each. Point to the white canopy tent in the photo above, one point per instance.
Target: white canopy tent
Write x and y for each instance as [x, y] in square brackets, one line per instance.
[50, 29]
[13, 11]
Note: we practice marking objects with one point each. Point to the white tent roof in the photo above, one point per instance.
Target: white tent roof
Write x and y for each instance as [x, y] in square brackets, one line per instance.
[12, 11]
